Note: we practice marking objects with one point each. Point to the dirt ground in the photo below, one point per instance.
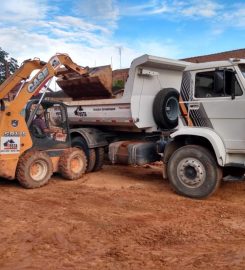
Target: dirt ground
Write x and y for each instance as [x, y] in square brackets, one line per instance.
[120, 218]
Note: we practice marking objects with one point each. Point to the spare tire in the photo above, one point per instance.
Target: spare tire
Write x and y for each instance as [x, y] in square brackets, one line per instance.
[166, 108]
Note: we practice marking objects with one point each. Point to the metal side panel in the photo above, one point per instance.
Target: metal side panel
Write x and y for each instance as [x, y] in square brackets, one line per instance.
[133, 152]
[143, 153]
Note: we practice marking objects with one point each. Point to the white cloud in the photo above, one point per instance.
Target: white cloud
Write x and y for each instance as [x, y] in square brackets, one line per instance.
[204, 9]
[15, 10]
[32, 45]
[146, 9]
[189, 8]
[68, 21]
[235, 16]
[232, 17]
[88, 42]
[98, 10]
[217, 15]
[74, 29]
[31, 30]
[166, 49]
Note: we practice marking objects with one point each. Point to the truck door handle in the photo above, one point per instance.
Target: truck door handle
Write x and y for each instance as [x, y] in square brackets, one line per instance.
[194, 106]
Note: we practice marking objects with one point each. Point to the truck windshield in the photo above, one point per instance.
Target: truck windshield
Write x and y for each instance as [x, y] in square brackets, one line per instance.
[242, 68]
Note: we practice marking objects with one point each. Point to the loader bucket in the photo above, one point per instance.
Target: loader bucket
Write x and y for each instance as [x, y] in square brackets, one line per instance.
[95, 84]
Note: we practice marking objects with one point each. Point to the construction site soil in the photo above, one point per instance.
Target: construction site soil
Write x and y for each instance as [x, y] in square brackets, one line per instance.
[120, 218]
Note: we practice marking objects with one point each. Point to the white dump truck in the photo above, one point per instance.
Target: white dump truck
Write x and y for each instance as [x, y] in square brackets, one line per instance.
[198, 133]
[129, 126]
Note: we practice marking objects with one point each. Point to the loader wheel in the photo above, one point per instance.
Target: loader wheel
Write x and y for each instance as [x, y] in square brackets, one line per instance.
[90, 153]
[72, 163]
[100, 152]
[34, 169]
[166, 108]
[193, 172]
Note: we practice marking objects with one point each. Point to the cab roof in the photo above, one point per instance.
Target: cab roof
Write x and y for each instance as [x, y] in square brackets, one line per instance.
[214, 64]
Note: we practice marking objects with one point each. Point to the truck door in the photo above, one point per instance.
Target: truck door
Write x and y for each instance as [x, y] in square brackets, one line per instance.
[216, 100]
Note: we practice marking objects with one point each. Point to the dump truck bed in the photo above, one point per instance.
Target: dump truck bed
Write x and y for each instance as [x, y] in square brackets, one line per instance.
[147, 76]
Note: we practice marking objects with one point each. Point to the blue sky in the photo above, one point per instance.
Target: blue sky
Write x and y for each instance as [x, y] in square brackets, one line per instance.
[92, 32]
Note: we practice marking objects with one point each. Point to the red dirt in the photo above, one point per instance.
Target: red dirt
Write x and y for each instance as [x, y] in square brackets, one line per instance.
[120, 218]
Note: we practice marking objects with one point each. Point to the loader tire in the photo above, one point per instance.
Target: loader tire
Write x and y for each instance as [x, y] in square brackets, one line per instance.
[166, 108]
[72, 163]
[34, 169]
[100, 152]
[90, 153]
[194, 172]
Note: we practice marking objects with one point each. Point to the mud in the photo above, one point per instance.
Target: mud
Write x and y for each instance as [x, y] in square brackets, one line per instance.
[120, 218]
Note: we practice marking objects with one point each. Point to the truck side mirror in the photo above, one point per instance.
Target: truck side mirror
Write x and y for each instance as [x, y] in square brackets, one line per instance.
[224, 81]
[229, 79]
[219, 81]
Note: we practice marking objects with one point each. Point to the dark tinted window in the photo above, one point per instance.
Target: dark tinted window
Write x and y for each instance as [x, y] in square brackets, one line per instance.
[211, 84]
[204, 84]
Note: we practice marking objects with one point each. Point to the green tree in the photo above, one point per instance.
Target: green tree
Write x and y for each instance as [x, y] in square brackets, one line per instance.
[119, 84]
[8, 65]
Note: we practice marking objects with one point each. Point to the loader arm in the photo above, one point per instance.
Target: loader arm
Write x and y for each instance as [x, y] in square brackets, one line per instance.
[20, 74]
[47, 71]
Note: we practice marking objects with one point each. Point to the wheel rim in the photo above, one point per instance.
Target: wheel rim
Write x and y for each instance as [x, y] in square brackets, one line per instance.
[191, 172]
[76, 164]
[172, 108]
[38, 170]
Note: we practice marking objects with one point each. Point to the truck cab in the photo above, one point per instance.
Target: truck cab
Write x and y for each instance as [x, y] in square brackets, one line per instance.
[211, 124]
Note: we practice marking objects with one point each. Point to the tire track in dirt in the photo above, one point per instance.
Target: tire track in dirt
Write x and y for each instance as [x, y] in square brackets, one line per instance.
[120, 218]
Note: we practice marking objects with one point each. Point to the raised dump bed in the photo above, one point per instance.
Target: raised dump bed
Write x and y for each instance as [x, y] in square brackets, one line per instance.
[149, 101]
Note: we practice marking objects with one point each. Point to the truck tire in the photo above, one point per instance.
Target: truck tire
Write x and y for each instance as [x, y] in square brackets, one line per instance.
[34, 169]
[100, 152]
[91, 160]
[72, 164]
[80, 143]
[193, 172]
[166, 108]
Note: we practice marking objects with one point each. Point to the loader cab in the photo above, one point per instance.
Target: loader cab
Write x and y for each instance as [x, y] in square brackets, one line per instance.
[54, 119]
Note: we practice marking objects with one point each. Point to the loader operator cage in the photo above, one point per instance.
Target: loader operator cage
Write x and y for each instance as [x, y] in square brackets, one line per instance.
[54, 115]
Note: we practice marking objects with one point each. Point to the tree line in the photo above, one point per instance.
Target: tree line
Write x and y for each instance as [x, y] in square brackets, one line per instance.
[8, 65]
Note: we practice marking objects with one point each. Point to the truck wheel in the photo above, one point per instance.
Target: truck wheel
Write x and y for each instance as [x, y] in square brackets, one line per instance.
[34, 169]
[166, 108]
[99, 159]
[72, 164]
[193, 172]
[90, 153]
[91, 160]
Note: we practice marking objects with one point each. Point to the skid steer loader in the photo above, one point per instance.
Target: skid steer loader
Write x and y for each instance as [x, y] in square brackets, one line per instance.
[27, 152]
